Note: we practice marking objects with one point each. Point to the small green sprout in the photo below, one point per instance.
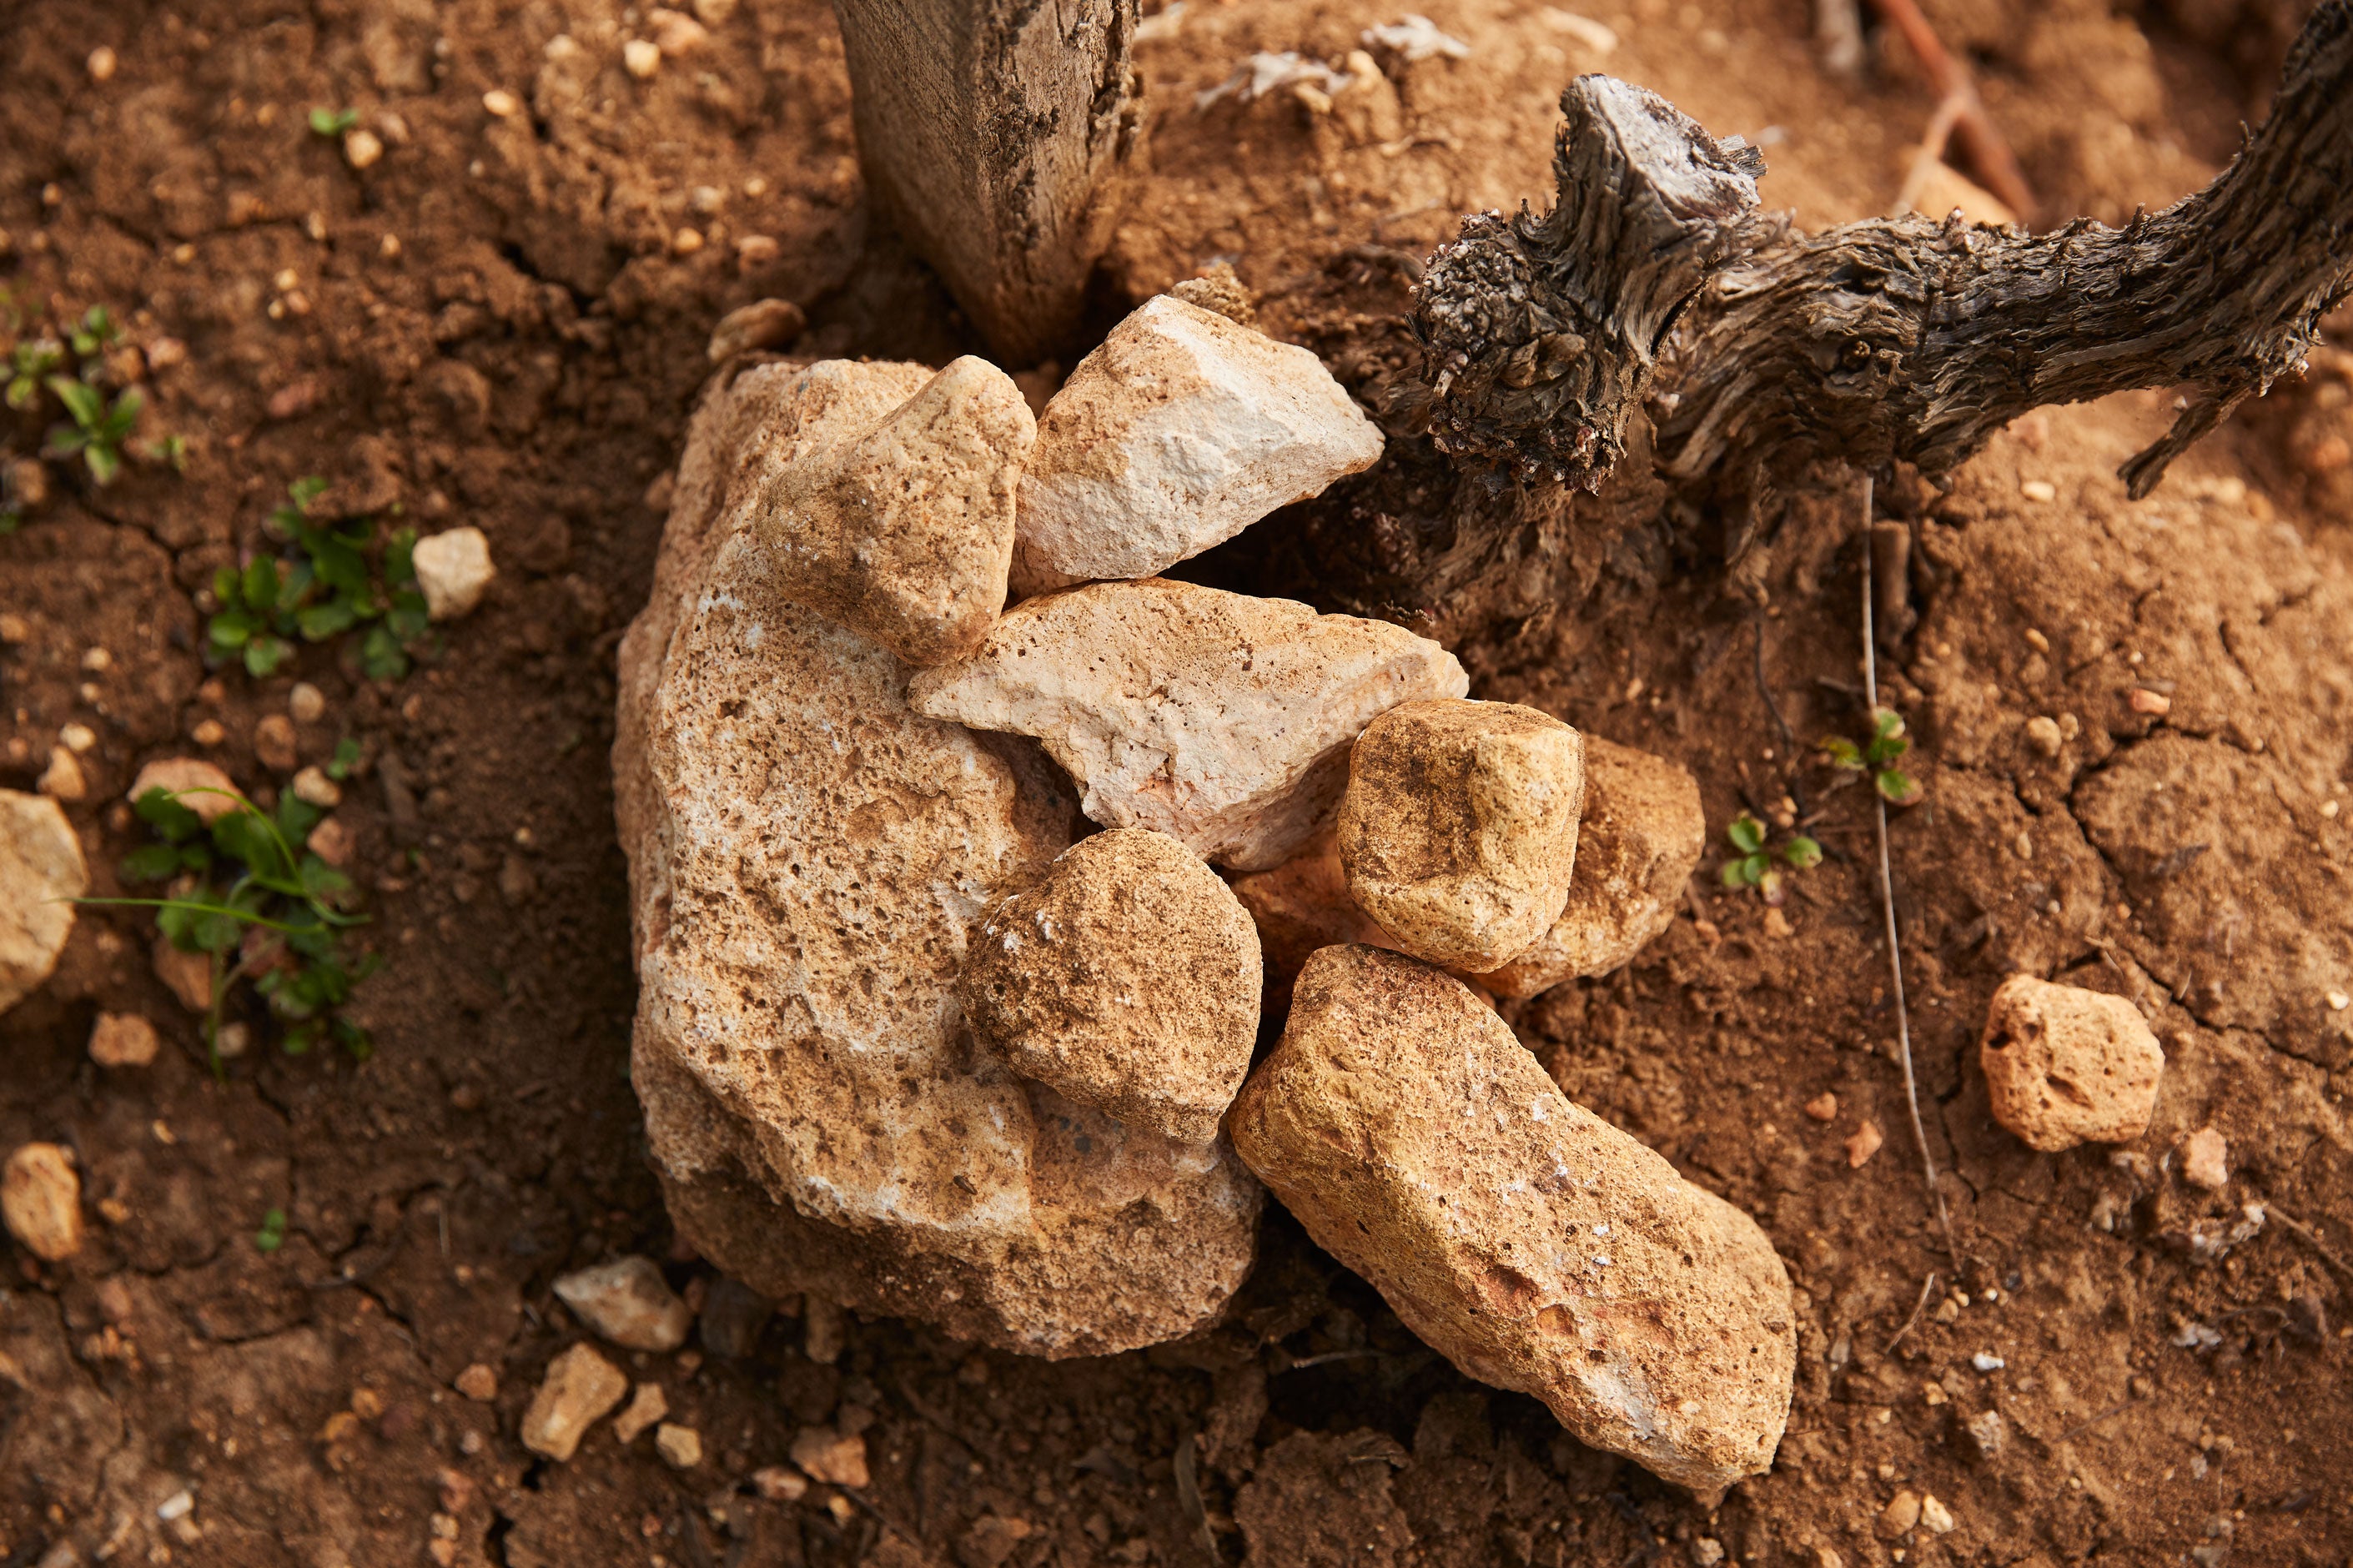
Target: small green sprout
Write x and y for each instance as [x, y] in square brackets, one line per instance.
[1877, 757]
[96, 333]
[30, 362]
[249, 894]
[1752, 865]
[322, 587]
[346, 758]
[332, 122]
[272, 1234]
[98, 427]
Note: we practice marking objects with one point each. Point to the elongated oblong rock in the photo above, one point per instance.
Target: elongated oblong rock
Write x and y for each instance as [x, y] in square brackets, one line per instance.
[1179, 431]
[1534, 1244]
[2065, 1065]
[41, 875]
[1459, 827]
[1220, 720]
[1127, 979]
[1639, 836]
[808, 860]
[887, 502]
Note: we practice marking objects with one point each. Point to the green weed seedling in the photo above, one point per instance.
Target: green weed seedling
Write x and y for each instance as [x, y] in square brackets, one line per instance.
[1758, 864]
[272, 1234]
[332, 122]
[322, 586]
[1877, 757]
[261, 906]
[72, 370]
[98, 427]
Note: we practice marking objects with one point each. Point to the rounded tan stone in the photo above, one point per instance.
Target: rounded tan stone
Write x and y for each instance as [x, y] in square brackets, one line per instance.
[192, 782]
[1459, 827]
[41, 875]
[1639, 836]
[1127, 979]
[2064, 1066]
[1534, 1244]
[40, 1199]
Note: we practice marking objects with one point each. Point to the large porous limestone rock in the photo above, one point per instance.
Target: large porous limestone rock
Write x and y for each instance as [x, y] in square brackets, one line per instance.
[1181, 430]
[1637, 842]
[1127, 979]
[1220, 720]
[41, 874]
[809, 860]
[2064, 1066]
[897, 524]
[1459, 827]
[1534, 1244]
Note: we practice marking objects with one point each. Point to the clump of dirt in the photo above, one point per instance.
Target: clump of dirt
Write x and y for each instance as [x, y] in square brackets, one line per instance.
[500, 322]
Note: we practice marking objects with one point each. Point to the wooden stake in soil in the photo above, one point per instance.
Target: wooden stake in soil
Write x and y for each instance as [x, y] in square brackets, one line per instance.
[1887, 905]
[995, 134]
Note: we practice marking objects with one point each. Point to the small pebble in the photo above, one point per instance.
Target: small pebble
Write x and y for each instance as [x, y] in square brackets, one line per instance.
[822, 1330]
[207, 733]
[306, 704]
[580, 1386]
[780, 1483]
[2338, 1001]
[78, 738]
[836, 1458]
[501, 102]
[179, 1505]
[680, 1447]
[362, 148]
[274, 744]
[2043, 735]
[101, 63]
[479, 1383]
[2205, 1159]
[675, 33]
[1863, 1143]
[1901, 1514]
[453, 569]
[122, 1040]
[641, 57]
[2039, 491]
[63, 779]
[1986, 1361]
[313, 787]
[686, 242]
[40, 1201]
[2156, 704]
[650, 1406]
[1935, 1516]
[1823, 1107]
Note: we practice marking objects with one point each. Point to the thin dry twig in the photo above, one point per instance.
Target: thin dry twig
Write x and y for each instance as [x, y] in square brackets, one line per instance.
[1927, 1287]
[1989, 155]
[1887, 907]
[2311, 1237]
[1931, 154]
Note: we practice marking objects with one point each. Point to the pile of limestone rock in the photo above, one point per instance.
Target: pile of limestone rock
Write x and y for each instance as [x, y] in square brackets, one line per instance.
[913, 1037]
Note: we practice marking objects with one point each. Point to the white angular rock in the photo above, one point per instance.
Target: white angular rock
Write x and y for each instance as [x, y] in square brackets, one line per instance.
[41, 874]
[1534, 1244]
[628, 1302]
[1179, 432]
[1220, 720]
[1637, 843]
[808, 860]
[453, 571]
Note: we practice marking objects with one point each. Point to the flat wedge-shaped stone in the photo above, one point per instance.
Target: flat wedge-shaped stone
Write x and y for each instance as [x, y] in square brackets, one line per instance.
[1181, 430]
[1127, 979]
[808, 862]
[896, 522]
[2065, 1065]
[1220, 720]
[1459, 827]
[1534, 1244]
[1640, 835]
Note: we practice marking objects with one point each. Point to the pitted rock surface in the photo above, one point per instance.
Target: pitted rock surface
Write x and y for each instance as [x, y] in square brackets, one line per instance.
[1638, 841]
[1459, 827]
[1220, 720]
[1127, 979]
[2065, 1065]
[808, 859]
[1534, 1244]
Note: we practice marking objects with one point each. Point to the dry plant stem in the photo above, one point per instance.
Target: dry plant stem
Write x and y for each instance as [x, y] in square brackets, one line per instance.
[2311, 1237]
[1931, 154]
[1887, 908]
[1927, 1287]
[1989, 154]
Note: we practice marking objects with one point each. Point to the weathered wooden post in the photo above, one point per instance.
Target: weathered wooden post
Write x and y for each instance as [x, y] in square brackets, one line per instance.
[995, 134]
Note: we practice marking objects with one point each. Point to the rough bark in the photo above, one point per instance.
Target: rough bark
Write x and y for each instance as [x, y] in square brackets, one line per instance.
[995, 134]
[1654, 295]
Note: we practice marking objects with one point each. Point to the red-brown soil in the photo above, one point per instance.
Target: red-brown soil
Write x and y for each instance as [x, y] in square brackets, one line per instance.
[522, 359]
